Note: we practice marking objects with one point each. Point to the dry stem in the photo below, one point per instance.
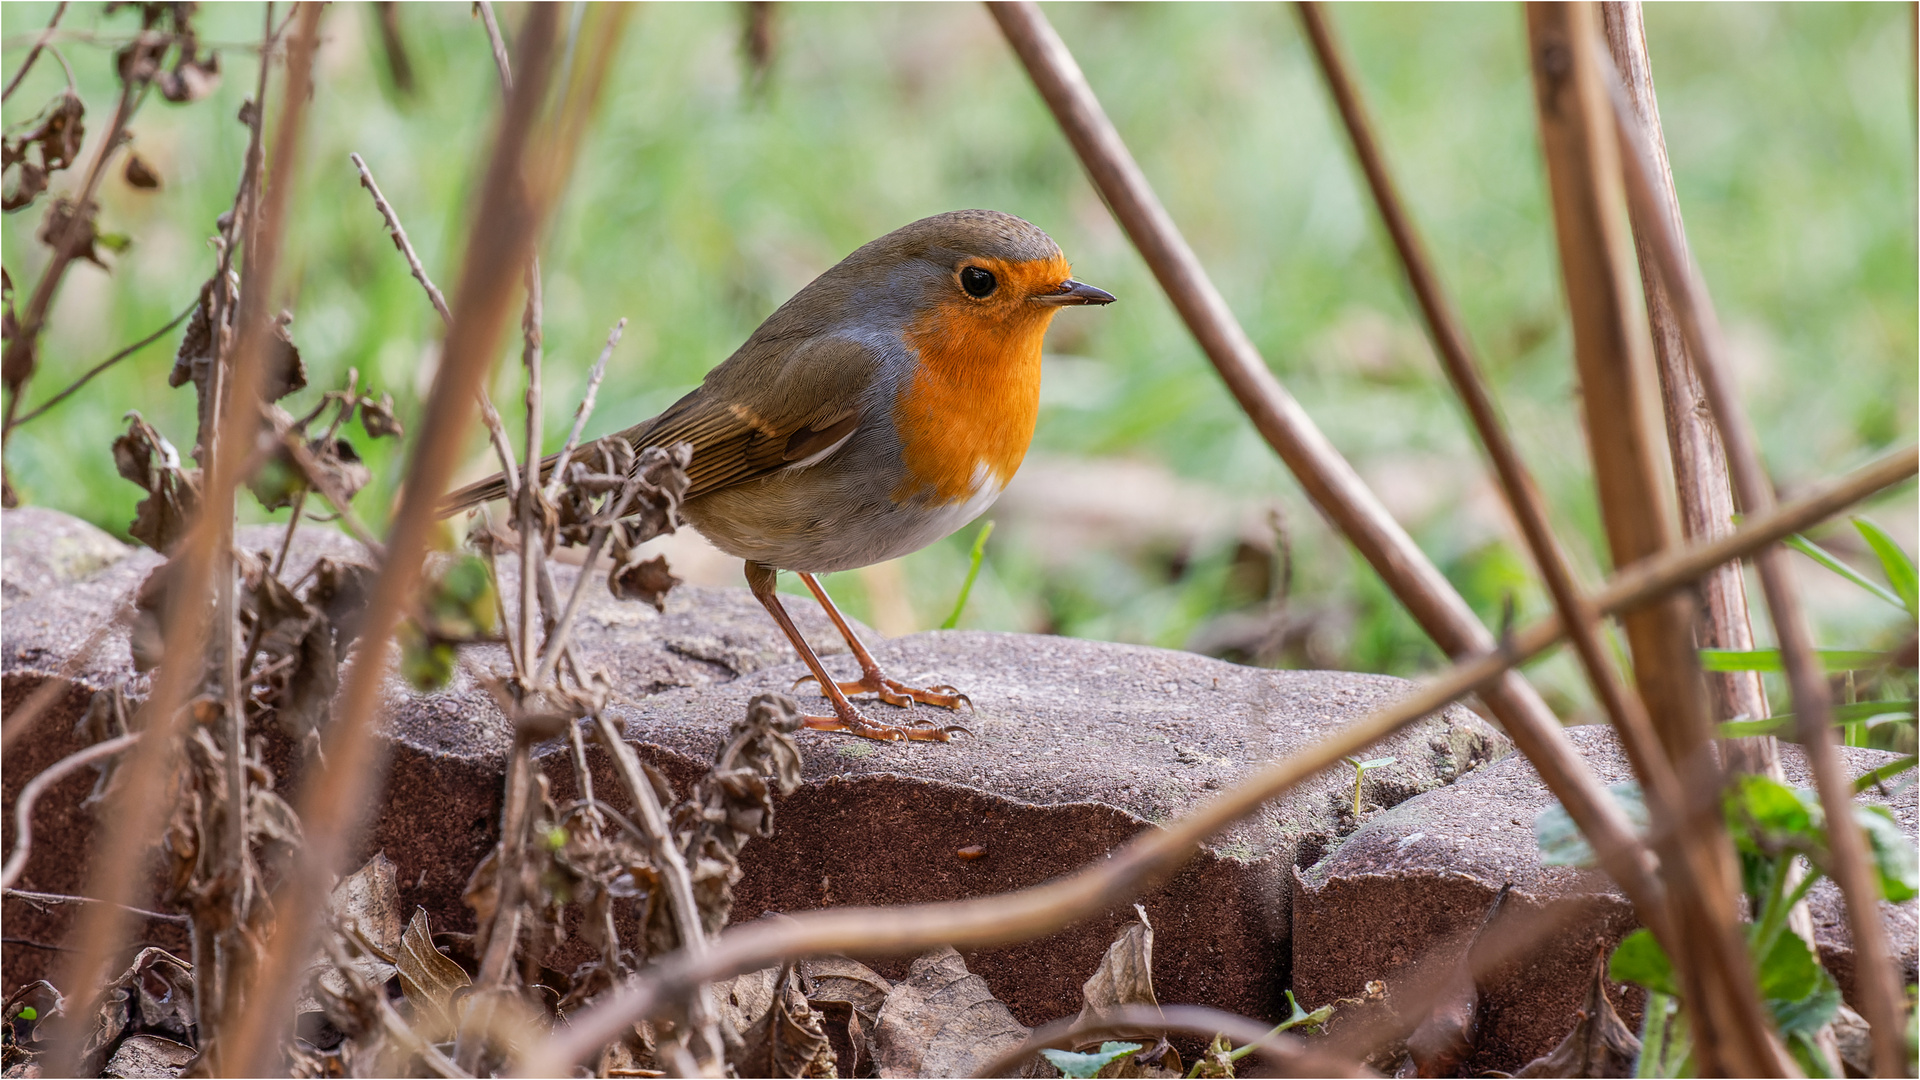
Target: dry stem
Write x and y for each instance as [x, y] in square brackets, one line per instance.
[1698, 455]
[508, 217]
[1327, 477]
[1876, 979]
[39, 43]
[490, 416]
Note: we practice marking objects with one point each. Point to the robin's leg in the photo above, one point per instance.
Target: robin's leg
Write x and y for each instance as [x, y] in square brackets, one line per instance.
[874, 681]
[845, 718]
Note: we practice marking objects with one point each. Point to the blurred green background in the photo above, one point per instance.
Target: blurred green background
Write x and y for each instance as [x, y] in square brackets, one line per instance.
[706, 195]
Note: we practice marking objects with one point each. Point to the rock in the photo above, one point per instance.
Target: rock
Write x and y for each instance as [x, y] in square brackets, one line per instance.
[1418, 879]
[1076, 747]
[45, 549]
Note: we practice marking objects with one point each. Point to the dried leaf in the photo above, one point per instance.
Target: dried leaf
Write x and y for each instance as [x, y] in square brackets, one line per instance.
[1125, 977]
[837, 978]
[141, 175]
[144, 456]
[942, 1021]
[733, 803]
[742, 1000]
[286, 372]
[339, 591]
[428, 978]
[54, 137]
[786, 1041]
[1214, 1063]
[1599, 1044]
[637, 579]
[149, 1056]
[367, 904]
[28, 1011]
[71, 226]
[192, 78]
[378, 419]
[153, 996]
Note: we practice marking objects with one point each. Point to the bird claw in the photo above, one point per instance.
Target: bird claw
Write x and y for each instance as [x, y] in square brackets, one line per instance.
[867, 729]
[897, 693]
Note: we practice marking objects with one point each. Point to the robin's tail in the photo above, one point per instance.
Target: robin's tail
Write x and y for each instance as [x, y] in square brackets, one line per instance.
[493, 487]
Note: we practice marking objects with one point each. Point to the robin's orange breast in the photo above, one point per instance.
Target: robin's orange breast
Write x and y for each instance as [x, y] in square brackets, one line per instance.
[966, 414]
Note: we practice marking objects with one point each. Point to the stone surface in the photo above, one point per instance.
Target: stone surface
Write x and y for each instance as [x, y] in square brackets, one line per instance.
[1076, 747]
[1414, 883]
[44, 549]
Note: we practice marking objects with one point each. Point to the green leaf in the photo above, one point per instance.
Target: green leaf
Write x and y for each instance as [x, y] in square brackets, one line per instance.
[1788, 972]
[28, 1012]
[1376, 763]
[1640, 959]
[1086, 1065]
[1832, 562]
[973, 571]
[1880, 775]
[1893, 856]
[1559, 839]
[459, 603]
[1765, 812]
[1769, 659]
[1799, 993]
[1896, 563]
[1782, 725]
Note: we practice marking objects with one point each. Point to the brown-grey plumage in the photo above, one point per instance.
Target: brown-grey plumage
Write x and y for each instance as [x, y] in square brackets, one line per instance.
[880, 408]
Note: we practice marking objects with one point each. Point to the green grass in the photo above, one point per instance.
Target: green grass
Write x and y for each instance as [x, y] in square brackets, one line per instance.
[695, 210]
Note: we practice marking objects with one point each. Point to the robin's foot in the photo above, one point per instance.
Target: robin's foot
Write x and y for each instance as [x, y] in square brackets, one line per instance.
[854, 723]
[894, 692]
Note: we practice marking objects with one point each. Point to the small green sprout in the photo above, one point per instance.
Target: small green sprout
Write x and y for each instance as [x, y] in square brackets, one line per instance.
[1360, 774]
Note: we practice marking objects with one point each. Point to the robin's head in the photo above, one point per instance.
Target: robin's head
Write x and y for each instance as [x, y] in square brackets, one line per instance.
[980, 269]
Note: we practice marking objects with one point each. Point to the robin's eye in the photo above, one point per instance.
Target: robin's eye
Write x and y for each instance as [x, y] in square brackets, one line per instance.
[978, 283]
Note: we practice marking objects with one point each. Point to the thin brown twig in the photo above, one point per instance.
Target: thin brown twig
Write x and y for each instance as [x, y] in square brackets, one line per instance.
[1329, 479]
[1876, 979]
[490, 416]
[652, 818]
[499, 45]
[39, 43]
[1464, 371]
[521, 183]
[585, 409]
[21, 354]
[36, 787]
[103, 365]
[1041, 909]
[533, 545]
[63, 898]
[1291, 1055]
[137, 816]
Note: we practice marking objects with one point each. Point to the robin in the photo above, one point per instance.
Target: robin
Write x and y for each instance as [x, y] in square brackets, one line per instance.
[881, 408]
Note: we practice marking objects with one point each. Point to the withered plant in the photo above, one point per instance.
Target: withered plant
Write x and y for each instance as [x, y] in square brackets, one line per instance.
[238, 655]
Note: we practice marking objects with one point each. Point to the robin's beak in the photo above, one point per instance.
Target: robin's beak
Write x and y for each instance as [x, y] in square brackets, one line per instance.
[1075, 293]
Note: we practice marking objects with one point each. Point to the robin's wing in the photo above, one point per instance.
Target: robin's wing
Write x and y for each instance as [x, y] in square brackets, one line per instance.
[756, 415]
